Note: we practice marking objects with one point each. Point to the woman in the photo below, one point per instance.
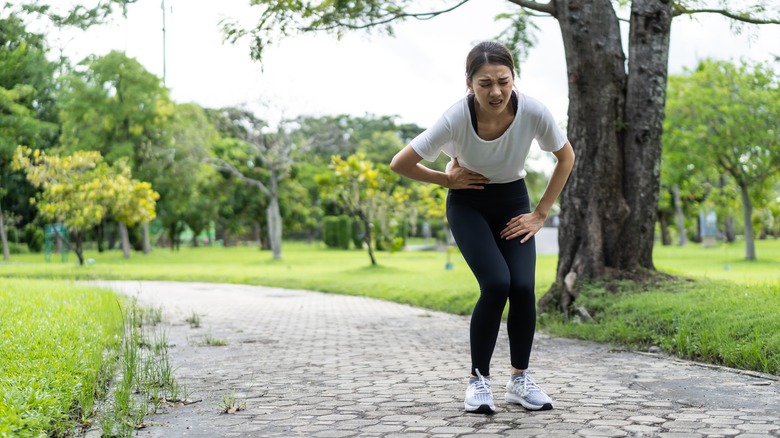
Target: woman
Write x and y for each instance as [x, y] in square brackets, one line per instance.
[488, 135]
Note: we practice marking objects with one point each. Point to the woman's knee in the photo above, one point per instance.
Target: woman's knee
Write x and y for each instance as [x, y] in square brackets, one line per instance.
[495, 287]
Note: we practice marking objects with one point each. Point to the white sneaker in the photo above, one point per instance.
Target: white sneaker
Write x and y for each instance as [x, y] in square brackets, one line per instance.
[479, 396]
[521, 389]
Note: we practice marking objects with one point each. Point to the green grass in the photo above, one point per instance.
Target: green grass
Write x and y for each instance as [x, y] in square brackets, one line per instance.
[726, 261]
[727, 316]
[711, 321]
[53, 338]
[412, 277]
[726, 312]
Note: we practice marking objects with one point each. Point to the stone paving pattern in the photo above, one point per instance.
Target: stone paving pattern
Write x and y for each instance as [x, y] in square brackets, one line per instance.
[309, 364]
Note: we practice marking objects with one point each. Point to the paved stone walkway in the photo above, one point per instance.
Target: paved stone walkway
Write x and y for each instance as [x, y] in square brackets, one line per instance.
[309, 364]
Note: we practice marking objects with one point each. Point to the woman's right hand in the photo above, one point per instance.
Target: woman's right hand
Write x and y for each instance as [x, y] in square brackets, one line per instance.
[461, 178]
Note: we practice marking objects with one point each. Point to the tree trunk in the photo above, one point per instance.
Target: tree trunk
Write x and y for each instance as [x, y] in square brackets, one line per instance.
[172, 232]
[747, 210]
[100, 235]
[125, 238]
[678, 211]
[274, 219]
[730, 233]
[147, 244]
[79, 250]
[697, 237]
[367, 236]
[663, 219]
[609, 205]
[648, 47]
[4, 237]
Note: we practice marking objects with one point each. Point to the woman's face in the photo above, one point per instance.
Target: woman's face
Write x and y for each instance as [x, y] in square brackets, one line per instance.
[492, 87]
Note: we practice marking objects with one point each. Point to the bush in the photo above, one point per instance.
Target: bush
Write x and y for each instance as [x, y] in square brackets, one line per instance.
[17, 248]
[337, 231]
[12, 234]
[33, 235]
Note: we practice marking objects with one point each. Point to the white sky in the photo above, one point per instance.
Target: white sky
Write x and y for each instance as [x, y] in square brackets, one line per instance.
[415, 75]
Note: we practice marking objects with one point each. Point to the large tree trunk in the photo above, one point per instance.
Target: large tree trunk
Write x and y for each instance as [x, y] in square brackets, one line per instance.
[608, 207]
[274, 218]
[678, 211]
[4, 237]
[747, 210]
[648, 55]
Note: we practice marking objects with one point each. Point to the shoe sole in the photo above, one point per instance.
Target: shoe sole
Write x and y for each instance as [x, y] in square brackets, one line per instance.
[481, 409]
[511, 398]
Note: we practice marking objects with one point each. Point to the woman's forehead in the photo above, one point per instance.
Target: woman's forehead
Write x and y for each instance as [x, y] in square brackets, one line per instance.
[492, 71]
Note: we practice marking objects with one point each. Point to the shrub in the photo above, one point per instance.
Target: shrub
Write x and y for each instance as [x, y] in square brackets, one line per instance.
[337, 231]
[12, 234]
[33, 235]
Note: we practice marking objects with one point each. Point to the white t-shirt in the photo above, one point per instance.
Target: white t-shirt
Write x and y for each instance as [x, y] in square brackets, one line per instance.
[501, 160]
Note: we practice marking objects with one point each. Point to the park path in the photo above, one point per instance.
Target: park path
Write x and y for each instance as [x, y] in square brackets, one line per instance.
[309, 364]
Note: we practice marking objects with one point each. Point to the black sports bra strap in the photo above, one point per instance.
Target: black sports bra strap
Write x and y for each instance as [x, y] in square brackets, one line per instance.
[473, 110]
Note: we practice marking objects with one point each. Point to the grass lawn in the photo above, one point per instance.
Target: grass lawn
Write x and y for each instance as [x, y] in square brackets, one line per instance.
[54, 340]
[727, 316]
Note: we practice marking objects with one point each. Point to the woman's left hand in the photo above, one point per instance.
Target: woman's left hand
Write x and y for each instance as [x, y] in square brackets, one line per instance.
[525, 225]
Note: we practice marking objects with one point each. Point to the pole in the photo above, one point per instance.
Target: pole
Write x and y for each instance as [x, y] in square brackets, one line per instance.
[162, 5]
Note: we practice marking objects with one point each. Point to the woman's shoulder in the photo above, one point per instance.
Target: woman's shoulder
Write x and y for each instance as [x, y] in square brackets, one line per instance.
[530, 105]
[458, 109]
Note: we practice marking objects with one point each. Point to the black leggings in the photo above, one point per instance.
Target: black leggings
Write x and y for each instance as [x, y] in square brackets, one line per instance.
[503, 268]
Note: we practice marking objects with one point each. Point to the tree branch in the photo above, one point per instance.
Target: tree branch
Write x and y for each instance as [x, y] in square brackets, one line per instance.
[390, 17]
[679, 10]
[547, 8]
[221, 164]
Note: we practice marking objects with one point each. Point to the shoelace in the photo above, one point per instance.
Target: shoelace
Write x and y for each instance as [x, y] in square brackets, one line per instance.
[482, 386]
[527, 382]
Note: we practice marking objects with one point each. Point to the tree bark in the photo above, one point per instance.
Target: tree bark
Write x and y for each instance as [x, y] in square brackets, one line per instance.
[663, 219]
[730, 233]
[147, 246]
[648, 47]
[125, 238]
[274, 218]
[609, 205]
[79, 250]
[367, 236]
[747, 210]
[678, 211]
[4, 237]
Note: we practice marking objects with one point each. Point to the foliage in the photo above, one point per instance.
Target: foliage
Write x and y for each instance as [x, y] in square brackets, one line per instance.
[33, 236]
[113, 105]
[52, 343]
[364, 190]
[75, 15]
[81, 189]
[722, 119]
[27, 115]
[189, 188]
[337, 231]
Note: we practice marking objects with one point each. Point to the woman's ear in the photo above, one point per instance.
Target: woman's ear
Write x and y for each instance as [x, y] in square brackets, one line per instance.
[468, 86]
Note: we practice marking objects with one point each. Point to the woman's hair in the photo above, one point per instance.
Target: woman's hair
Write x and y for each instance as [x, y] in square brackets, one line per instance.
[488, 52]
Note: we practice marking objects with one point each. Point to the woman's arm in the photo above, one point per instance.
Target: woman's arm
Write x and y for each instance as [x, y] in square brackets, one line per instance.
[565, 156]
[527, 225]
[407, 163]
